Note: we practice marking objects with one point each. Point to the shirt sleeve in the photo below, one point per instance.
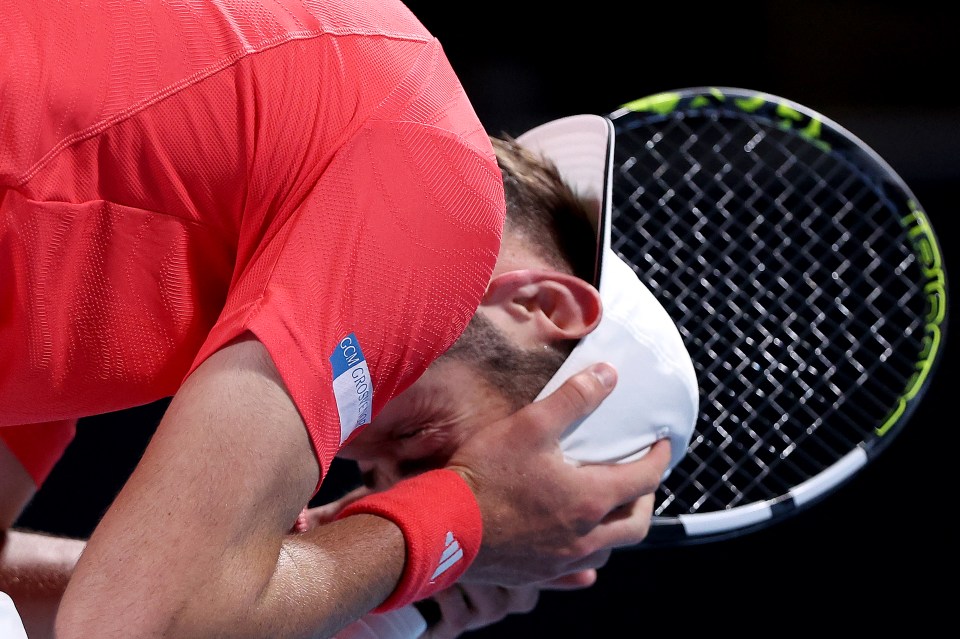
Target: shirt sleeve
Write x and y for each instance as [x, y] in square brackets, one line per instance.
[377, 273]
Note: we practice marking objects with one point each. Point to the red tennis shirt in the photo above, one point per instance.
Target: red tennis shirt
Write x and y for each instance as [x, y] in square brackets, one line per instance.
[175, 174]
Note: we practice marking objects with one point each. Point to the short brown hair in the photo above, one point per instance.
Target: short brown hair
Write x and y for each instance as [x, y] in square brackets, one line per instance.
[544, 211]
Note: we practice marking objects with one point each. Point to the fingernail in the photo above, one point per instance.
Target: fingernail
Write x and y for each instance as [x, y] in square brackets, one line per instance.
[606, 374]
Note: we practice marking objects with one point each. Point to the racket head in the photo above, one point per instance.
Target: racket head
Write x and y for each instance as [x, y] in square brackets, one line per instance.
[807, 283]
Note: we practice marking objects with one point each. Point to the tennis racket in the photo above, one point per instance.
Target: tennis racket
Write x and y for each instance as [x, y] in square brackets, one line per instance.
[806, 281]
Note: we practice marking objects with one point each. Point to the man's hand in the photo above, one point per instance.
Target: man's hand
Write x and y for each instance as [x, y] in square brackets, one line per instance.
[543, 517]
[465, 607]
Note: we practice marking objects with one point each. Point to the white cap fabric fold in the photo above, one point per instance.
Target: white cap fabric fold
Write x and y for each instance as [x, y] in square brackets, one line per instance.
[656, 394]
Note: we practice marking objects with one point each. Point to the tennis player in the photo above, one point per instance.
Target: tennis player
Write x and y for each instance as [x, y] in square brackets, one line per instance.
[279, 214]
[559, 299]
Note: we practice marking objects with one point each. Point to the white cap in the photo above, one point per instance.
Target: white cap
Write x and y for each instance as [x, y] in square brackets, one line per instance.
[656, 394]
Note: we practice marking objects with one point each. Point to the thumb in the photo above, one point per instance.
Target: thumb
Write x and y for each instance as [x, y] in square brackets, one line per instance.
[576, 398]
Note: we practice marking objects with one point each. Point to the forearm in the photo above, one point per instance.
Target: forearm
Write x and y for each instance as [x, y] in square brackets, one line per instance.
[332, 576]
[34, 570]
[197, 542]
[310, 585]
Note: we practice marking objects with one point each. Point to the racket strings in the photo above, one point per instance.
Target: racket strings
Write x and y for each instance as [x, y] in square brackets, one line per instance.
[792, 284]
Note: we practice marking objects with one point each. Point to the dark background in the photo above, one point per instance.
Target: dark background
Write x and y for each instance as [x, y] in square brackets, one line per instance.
[877, 552]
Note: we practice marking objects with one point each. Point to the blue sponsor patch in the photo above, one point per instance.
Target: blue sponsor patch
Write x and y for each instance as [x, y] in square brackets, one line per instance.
[352, 386]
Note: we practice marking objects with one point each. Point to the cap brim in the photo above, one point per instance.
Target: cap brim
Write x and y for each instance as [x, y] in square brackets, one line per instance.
[656, 395]
[581, 147]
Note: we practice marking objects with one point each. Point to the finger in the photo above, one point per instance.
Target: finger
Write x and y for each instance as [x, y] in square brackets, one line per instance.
[576, 398]
[468, 607]
[591, 562]
[653, 464]
[627, 526]
[621, 484]
[462, 610]
[302, 524]
[522, 600]
[489, 605]
[574, 581]
[451, 611]
[327, 512]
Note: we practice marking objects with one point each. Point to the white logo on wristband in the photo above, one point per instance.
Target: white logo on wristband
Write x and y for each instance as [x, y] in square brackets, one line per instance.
[451, 555]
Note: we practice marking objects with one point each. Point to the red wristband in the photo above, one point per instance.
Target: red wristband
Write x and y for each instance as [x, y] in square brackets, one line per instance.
[441, 525]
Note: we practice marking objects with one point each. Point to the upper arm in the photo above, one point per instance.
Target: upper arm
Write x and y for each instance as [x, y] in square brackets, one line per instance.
[200, 523]
[16, 487]
[28, 452]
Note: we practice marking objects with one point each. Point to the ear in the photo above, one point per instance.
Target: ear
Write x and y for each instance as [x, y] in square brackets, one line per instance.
[538, 307]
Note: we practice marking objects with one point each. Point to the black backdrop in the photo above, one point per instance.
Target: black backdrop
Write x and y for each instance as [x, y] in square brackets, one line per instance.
[873, 554]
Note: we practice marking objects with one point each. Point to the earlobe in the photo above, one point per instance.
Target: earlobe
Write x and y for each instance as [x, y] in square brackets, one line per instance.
[543, 305]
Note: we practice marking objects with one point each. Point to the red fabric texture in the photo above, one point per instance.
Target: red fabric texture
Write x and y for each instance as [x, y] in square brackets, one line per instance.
[173, 177]
[440, 519]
